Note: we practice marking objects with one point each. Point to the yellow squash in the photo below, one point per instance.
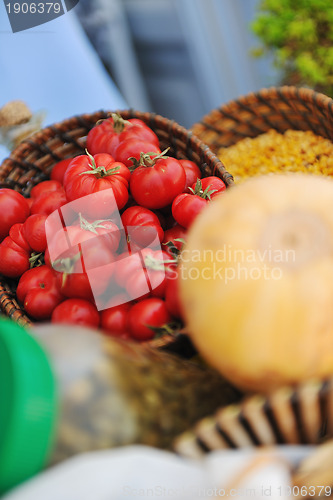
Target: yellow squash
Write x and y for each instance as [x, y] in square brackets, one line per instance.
[257, 281]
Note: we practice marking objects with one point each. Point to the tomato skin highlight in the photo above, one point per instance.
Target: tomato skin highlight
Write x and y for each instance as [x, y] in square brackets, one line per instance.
[76, 312]
[14, 208]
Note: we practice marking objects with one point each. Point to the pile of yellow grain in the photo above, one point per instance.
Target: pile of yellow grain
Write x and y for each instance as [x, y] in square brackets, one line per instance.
[273, 152]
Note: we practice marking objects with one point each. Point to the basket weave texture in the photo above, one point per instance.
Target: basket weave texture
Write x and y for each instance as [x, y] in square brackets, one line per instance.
[32, 161]
[278, 108]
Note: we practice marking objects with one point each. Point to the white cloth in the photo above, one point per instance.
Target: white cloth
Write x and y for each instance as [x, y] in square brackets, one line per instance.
[141, 472]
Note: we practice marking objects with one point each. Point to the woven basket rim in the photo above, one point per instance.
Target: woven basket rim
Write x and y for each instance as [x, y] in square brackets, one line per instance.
[273, 93]
[54, 128]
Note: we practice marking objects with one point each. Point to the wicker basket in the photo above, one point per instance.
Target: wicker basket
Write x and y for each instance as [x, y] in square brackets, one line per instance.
[274, 108]
[32, 161]
[299, 415]
[291, 415]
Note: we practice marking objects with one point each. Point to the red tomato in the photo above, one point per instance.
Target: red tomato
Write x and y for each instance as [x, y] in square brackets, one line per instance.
[34, 231]
[131, 276]
[81, 256]
[143, 225]
[76, 312]
[186, 207]
[192, 172]
[59, 248]
[30, 202]
[104, 232]
[156, 182]
[209, 187]
[133, 148]
[38, 292]
[88, 245]
[95, 254]
[144, 273]
[75, 285]
[86, 275]
[14, 208]
[176, 236]
[114, 320]
[59, 169]
[151, 312]
[17, 234]
[14, 260]
[97, 174]
[45, 187]
[172, 297]
[48, 202]
[106, 136]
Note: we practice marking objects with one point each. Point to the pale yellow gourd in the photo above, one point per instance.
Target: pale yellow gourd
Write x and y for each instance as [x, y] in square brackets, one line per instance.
[257, 281]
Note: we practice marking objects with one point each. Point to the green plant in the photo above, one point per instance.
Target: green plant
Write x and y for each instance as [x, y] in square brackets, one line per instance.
[299, 33]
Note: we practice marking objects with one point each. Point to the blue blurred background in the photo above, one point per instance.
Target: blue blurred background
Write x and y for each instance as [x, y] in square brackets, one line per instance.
[179, 58]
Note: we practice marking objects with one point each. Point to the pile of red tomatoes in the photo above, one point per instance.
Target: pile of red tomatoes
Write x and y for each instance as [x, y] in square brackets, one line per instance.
[98, 244]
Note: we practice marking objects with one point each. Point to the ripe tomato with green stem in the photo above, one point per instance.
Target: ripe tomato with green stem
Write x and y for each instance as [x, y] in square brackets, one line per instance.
[143, 225]
[144, 273]
[174, 239]
[187, 206]
[129, 152]
[100, 236]
[213, 185]
[100, 174]
[146, 316]
[107, 134]
[85, 272]
[157, 180]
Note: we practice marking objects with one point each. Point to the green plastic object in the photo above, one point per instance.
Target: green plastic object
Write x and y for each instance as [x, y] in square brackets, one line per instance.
[28, 405]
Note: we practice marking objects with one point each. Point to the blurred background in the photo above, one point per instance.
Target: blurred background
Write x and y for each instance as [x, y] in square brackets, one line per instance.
[178, 58]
